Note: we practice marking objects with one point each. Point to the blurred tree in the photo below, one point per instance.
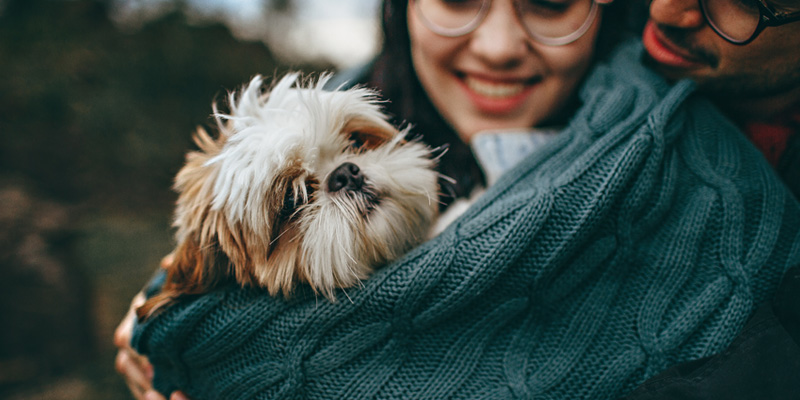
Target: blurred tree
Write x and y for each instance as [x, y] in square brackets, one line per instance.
[90, 113]
[44, 298]
[90, 117]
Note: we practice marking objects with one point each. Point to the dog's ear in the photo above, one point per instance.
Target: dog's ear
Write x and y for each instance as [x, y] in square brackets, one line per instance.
[283, 268]
[370, 132]
[190, 270]
[197, 265]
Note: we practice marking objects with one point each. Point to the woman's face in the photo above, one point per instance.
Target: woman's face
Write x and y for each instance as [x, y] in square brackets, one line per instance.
[496, 77]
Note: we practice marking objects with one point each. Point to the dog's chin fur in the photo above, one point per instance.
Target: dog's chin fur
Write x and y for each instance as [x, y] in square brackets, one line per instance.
[255, 204]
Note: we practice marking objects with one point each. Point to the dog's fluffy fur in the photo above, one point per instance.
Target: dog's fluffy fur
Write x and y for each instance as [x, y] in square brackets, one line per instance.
[301, 185]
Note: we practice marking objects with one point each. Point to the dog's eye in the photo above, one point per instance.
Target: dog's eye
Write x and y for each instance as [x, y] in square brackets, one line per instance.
[365, 140]
[356, 140]
[289, 205]
[368, 133]
[292, 200]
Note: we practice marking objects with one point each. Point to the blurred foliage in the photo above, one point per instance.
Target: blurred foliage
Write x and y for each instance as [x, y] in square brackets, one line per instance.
[95, 123]
[89, 113]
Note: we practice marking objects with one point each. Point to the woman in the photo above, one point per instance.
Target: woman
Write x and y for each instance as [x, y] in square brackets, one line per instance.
[574, 277]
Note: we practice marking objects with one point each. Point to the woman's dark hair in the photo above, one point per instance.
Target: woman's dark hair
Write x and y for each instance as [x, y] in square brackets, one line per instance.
[393, 74]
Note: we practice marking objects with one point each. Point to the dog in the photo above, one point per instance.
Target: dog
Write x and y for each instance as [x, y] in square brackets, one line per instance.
[300, 186]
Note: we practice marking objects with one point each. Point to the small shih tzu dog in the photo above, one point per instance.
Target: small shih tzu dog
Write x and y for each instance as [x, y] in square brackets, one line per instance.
[301, 185]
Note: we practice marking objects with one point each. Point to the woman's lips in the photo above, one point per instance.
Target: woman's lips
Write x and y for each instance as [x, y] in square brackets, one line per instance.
[493, 89]
[665, 52]
[497, 96]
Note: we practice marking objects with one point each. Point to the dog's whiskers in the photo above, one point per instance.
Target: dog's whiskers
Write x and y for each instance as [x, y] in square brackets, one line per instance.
[261, 175]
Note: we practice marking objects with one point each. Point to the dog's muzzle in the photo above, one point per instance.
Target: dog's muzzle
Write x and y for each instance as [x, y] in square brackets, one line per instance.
[347, 177]
[348, 181]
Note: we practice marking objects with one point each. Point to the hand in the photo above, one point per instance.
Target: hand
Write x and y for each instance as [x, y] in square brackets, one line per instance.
[134, 367]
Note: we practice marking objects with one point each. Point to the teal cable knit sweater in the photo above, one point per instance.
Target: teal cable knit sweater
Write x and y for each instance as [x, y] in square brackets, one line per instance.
[641, 237]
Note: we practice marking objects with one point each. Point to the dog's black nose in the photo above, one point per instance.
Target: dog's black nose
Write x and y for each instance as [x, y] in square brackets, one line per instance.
[346, 176]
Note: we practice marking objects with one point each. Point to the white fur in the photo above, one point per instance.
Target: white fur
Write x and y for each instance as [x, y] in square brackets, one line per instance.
[273, 133]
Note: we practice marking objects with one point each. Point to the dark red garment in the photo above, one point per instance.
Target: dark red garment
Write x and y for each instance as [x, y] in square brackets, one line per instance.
[779, 141]
[772, 138]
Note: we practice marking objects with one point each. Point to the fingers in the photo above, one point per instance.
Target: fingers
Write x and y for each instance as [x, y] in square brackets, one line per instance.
[122, 335]
[178, 396]
[154, 395]
[138, 379]
[167, 260]
[134, 368]
[137, 301]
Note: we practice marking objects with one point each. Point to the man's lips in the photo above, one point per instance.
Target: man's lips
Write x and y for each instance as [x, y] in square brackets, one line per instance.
[497, 96]
[667, 53]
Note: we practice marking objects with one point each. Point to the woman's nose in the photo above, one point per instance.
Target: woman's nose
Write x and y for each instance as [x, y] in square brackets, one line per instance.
[500, 40]
[684, 14]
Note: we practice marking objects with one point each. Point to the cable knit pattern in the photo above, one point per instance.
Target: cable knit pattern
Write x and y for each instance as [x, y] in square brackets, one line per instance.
[642, 236]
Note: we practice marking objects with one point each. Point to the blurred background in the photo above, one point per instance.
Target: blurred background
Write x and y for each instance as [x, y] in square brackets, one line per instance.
[98, 100]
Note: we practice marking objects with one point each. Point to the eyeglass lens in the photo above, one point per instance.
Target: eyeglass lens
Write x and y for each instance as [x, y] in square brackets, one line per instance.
[554, 18]
[543, 19]
[737, 20]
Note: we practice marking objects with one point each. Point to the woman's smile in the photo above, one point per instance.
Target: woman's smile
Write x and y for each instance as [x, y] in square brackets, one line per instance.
[496, 77]
[497, 96]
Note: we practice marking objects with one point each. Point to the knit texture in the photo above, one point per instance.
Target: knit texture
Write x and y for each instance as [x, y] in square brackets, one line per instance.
[642, 236]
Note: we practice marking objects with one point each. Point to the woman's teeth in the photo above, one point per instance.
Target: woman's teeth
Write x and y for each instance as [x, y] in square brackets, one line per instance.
[493, 89]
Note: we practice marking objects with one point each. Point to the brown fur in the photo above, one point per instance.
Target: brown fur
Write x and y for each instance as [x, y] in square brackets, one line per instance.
[212, 250]
[194, 266]
[369, 133]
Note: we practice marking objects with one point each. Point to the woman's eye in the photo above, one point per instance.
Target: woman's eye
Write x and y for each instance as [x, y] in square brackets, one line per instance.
[462, 3]
[557, 6]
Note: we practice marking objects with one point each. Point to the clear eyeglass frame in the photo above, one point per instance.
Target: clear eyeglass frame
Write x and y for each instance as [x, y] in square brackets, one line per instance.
[484, 10]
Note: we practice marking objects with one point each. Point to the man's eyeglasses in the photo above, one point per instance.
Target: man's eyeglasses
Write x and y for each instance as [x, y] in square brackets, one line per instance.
[550, 22]
[740, 21]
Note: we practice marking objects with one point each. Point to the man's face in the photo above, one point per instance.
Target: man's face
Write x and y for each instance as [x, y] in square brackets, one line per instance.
[681, 44]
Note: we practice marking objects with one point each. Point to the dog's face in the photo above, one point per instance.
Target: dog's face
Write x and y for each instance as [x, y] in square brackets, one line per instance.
[302, 185]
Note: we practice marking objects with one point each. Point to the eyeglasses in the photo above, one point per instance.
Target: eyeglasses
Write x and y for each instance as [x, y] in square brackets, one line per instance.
[740, 21]
[550, 22]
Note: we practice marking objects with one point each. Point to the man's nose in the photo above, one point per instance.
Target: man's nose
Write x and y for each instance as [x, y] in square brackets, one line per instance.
[684, 14]
[500, 39]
